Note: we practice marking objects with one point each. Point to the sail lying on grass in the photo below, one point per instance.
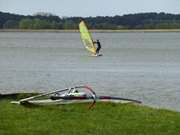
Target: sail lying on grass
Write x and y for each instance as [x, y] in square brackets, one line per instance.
[86, 37]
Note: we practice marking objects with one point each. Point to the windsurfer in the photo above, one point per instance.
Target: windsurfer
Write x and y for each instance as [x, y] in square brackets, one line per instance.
[97, 42]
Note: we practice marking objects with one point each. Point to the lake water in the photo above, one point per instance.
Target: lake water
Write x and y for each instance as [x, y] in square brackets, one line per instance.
[143, 66]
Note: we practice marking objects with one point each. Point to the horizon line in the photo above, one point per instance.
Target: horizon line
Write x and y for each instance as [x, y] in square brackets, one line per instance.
[90, 16]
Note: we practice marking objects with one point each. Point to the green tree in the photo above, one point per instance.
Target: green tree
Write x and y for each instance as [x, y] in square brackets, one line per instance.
[69, 24]
[26, 24]
[40, 24]
[10, 24]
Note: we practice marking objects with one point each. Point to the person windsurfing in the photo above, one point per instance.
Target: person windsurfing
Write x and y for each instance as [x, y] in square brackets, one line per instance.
[97, 42]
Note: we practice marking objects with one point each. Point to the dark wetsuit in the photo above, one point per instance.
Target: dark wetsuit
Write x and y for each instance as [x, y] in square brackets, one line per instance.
[98, 46]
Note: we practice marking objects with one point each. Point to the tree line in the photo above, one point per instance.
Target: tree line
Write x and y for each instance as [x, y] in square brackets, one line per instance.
[129, 21]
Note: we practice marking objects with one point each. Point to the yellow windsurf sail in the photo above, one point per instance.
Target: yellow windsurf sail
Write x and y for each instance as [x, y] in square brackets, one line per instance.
[86, 37]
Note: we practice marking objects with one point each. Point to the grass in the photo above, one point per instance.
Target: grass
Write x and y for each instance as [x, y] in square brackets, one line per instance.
[104, 119]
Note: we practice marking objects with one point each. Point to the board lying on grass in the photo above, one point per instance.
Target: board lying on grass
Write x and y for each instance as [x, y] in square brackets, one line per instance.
[72, 95]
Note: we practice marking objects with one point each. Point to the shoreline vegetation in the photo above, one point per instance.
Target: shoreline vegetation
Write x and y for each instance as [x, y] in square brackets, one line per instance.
[92, 30]
[77, 119]
[138, 21]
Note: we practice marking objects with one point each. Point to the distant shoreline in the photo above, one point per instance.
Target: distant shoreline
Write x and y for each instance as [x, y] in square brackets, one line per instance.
[94, 30]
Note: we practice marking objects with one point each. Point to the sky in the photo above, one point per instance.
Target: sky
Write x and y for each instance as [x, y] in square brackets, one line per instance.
[86, 8]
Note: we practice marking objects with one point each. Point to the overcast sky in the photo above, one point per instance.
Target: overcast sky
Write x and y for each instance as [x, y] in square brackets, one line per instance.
[89, 7]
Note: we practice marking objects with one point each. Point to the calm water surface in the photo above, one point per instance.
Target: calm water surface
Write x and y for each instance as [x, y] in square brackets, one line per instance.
[143, 66]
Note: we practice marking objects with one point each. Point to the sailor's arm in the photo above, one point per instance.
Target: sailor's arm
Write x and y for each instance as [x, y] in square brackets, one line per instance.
[94, 42]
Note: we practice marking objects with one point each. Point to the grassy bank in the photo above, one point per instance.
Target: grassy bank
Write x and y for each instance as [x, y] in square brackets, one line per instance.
[104, 119]
[101, 31]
